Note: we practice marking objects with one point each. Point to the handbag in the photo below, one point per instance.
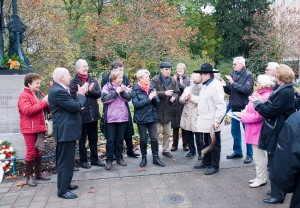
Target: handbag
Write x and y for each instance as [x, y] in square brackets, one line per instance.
[49, 126]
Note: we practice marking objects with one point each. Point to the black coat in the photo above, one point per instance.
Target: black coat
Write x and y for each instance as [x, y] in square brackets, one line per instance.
[286, 165]
[177, 106]
[165, 108]
[280, 105]
[240, 90]
[67, 124]
[144, 108]
[90, 112]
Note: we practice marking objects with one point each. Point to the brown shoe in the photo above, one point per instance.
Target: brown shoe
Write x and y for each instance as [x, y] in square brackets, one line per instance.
[108, 166]
[121, 162]
[185, 148]
[173, 149]
[31, 182]
[29, 172]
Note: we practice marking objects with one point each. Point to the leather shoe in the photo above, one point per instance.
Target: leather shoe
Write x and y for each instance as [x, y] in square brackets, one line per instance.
[252, 180]
[85, 165]
[273, 201]
[248, 159]
[73, 187]
[190, 154]
[185, 148]
[257, 183]
[211, 171]
[68, 195]
[108, 165]
[121, 162]
[173, 149]
[233, 156]
[167, 154]
[200, 166]
[132, 154]
[98, 163]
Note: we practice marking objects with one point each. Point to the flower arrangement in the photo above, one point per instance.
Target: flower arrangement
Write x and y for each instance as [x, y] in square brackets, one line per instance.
[12, 62]
[6, 152]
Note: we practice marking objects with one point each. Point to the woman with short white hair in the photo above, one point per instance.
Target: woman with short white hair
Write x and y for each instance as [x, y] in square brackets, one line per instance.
[254, 122]
[145, 100]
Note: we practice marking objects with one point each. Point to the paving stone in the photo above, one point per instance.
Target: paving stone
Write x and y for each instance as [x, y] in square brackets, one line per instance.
[69, 202]
[23, 201]
[38, 204]
[53, 205]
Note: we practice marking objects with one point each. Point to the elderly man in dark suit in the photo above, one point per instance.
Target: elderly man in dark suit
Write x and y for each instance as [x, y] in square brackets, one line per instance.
[67, 128]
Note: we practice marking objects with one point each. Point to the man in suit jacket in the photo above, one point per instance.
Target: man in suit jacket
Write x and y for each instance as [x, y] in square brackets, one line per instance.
[66, 128]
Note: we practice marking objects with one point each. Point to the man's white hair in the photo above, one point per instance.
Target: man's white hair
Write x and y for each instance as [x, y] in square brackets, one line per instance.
[265, 81]
[241, 60]
[272, 65]
[58, 73]
[78, 63]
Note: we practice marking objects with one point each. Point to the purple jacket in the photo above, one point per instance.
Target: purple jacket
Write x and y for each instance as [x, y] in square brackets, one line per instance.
[117, 111]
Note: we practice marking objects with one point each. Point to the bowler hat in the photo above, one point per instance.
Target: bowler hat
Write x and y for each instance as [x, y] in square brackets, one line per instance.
[165, 65]
[206, 68]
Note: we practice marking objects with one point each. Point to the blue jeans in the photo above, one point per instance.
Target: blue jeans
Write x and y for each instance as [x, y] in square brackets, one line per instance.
[237, 139]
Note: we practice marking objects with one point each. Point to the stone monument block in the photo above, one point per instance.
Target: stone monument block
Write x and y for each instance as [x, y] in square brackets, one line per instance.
[11, 87]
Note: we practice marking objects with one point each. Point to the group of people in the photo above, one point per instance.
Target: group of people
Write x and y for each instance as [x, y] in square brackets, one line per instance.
[195, 105]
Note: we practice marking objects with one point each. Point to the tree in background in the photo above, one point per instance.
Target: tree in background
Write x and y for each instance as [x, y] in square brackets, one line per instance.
[205, 42]
[232, 17]
[47, 42]
[142, 33]
[275, 36]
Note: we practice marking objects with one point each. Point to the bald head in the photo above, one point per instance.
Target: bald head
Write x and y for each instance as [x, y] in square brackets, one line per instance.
[62, 76]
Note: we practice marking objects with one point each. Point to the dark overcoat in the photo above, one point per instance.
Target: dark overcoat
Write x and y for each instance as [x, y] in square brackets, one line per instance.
[67, 124]
[165, 108]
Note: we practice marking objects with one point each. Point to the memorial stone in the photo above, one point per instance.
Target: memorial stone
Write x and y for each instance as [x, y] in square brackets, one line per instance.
[11, 87]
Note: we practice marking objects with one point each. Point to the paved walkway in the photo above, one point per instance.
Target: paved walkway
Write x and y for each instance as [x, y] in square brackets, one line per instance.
[176, 185]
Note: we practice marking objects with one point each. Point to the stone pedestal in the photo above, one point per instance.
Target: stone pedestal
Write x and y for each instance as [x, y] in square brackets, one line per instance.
[11, 87]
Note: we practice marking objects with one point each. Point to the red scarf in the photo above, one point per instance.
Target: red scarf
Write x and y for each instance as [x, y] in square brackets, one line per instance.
[146, 88]
[83, 77]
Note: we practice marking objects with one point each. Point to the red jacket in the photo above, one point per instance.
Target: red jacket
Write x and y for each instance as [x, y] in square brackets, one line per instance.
[31, 113]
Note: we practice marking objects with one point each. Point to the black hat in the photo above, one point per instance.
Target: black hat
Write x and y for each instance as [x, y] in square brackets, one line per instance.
[206, 68]
[165, 65]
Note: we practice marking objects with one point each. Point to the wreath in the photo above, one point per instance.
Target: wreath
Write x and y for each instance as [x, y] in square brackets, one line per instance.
[12, 62]
[6, 152]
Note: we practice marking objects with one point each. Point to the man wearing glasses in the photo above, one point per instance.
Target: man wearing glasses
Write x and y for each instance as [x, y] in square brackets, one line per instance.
[239, 88]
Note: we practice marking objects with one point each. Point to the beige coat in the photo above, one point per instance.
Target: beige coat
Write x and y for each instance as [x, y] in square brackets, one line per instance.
[211, 106]
[189, 114]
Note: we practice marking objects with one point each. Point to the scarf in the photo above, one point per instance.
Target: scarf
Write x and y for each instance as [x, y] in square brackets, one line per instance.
[236, 74]
[166, 81]
[146, 88]
[83, 77]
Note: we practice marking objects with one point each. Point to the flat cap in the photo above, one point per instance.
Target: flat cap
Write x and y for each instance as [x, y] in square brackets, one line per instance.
[165, 65]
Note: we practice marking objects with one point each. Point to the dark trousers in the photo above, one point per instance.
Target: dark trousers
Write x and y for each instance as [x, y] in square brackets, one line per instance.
[212, 158]
[89, 130]
[65, 153]
[127, 138]
[115, 133]
[191, 141]
[176, 137]
[152, 129]
[276, 192]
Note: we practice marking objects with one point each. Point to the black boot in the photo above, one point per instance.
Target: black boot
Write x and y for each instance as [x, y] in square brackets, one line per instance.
[156, 159]
[29, 173]
[143, 147]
